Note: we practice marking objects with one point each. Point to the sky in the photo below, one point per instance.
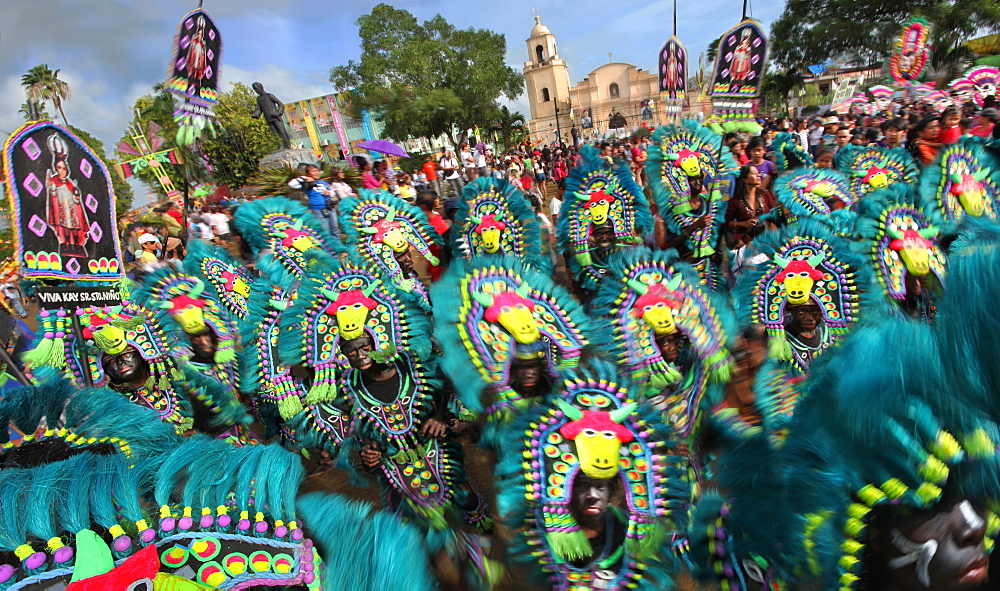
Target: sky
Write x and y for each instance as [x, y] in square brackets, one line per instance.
[113, 51]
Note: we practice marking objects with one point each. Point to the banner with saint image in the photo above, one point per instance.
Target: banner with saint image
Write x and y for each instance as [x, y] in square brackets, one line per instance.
[63, 206]
[673, 70]
[742, 57]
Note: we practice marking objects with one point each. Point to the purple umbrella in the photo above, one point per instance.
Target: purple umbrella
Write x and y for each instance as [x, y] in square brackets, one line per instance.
[383, 146]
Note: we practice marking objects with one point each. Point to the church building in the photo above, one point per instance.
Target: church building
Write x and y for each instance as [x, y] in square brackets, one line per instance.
[611, 101]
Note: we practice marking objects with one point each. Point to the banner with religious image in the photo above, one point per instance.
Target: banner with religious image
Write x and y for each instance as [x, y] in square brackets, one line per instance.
[194, 74]
[742, 57]
[911, 54]
[673, 70]
[63, 206]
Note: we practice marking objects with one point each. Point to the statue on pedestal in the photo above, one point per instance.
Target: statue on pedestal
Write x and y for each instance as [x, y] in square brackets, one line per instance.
[272, 109]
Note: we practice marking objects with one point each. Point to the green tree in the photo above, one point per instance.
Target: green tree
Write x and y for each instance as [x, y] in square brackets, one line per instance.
[424, 80]
[241, 141]
[158, 107]
[811, 31]
[123, 191]
[776, 86]
[34, 111]
[508, 122]
[713, 50]
[42, 84]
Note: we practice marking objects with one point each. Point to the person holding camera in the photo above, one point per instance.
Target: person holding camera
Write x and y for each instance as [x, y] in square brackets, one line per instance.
[322, 199]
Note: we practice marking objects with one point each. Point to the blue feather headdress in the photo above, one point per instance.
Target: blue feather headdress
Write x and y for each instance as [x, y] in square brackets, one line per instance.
[871, 169]
[964, 180]
[494, 217]
[287, 231]
[225, 279]
[599, 194]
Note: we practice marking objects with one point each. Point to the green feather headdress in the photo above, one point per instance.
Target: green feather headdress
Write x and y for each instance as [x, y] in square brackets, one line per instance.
[641, 281]
[788, 155]
[599, 193]
[539, 491]
[287, 230]
[478, 350]
[892, 221]
[835, 277]
[494, 207]
[809, 191]
[227, 280]
[346, 302]
[963, 180]
[871, 169]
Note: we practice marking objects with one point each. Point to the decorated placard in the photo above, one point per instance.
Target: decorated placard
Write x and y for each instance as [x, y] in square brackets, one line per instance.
[673, 70]
[63, 206]
[742, 57]
[911, 53]
[194, 74]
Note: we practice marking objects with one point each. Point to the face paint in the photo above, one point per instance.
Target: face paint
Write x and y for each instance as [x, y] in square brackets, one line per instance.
[918, 554]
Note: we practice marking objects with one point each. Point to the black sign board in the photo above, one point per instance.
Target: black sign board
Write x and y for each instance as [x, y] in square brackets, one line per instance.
[52, 298]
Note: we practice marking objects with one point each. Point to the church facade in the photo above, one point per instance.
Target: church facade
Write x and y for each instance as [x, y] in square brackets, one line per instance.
[612, 101]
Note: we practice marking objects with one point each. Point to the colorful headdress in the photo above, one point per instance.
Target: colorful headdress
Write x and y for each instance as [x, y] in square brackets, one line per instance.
[344, 303]
[650, 293]
[881, 98]
[964, 180]
[591, 427]
[286, 230]
[808, 192]
[788, 155]
[881, 431]
[225, 279]
[495, 218]
[805, 263]
[985, 82]
[900, 231]
[488, 308]
[599, 194]
[871, 169]
[181, 308]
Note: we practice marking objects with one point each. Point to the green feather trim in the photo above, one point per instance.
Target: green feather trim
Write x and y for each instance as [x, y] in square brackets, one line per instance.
[324, 387]
[289, 406]
[724, 373]
[225, 355]
[584, 259]
[571, 545]
[777, 345]
[48, 353]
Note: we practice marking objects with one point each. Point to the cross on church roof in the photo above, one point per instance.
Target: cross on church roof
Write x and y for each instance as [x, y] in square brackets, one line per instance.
[610, 56]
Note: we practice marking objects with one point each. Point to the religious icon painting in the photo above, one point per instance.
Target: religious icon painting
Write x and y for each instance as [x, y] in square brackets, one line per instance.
[742, 57]
[673, 70]
[63, 206]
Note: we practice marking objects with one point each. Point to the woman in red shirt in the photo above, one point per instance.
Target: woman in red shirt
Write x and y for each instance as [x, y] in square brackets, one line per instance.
[749, 202]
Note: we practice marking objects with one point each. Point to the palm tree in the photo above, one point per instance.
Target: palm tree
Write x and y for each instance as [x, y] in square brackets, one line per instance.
[33, 111]
[42, 84]
[508, 121]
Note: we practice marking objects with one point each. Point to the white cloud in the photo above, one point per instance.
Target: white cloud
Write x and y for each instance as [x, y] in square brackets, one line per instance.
[285, 84]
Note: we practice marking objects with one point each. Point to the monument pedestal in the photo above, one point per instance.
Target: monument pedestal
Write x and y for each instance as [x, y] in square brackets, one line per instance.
[287, 157]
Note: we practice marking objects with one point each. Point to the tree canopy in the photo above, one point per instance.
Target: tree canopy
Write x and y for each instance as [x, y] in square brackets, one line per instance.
[423, 80]
[862, 32]
[123, 191]
[240, 141]
[42, 84]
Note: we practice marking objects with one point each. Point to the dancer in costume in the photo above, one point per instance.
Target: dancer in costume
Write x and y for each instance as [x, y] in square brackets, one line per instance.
[690, 172]
[871, 169]
[284, 230]
[203, 340]
[965, 180]
[495, 218]
[369, 351]
[381, 230]
[900, 233]
[506, 331]
[123, 349]
[588, 442]
[670, 335]
[807, 294]
[605, 212]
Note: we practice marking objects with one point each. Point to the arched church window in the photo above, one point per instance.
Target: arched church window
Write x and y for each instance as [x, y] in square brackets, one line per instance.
[545, 95]
[539, 54]
[613, 90]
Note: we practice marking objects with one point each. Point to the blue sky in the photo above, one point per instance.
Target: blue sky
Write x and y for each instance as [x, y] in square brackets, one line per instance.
[113, 51]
